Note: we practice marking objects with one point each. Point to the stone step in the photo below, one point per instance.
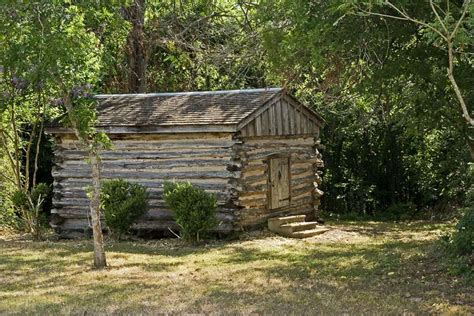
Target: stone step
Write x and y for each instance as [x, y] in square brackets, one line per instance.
[275, 222]
[308, 233]
[296, 227]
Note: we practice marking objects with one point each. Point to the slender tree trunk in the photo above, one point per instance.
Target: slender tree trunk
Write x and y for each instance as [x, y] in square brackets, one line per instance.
[16, 144]
[465, 112]
[99, 252]
[94, 206]
[40, 136]
[38, 148]
[31, 139]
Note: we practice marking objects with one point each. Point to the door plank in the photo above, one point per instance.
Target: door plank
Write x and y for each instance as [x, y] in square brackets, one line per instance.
[280, 183]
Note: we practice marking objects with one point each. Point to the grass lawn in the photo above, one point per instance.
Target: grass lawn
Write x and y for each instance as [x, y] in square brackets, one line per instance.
[354, 268]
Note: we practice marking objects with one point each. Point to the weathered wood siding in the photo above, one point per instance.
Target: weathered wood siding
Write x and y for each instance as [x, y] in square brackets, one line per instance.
[283, 116]
[204, 159]
[254, 187]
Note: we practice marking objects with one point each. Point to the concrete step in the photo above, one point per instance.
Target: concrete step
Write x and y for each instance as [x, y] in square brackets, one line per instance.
[296, 227]
[308, 233]
[276, 222]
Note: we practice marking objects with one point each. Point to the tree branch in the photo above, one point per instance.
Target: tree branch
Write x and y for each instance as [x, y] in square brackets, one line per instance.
[419, 22]
[466, 6]
[438, 17]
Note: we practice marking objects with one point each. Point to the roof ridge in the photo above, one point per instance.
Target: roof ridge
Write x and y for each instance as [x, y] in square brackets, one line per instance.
[159, 94]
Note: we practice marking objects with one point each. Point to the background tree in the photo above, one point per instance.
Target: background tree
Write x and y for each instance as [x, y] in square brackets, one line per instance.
[72, 42]
[393, 135]
[450, 29]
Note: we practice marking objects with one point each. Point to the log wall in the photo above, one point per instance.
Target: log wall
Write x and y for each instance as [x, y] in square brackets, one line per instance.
[253, 186]
[204, 159]
[233, 167]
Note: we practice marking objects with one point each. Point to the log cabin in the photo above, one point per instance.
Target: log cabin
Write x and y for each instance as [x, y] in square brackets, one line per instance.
[255, 149]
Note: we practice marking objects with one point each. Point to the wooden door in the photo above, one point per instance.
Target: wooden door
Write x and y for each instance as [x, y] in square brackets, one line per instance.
[279, 182]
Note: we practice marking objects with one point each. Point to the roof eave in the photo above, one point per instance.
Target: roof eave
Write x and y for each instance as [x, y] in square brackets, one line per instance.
[135, 129]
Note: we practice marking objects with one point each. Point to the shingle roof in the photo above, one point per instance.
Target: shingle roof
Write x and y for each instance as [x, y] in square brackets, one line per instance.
[185, 108]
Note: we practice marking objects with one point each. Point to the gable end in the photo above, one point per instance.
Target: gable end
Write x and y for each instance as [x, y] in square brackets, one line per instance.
[281, 115]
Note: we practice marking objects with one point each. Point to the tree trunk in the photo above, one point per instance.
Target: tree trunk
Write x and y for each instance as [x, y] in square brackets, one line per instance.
[135, 14]
[99, 252]
[465, 111]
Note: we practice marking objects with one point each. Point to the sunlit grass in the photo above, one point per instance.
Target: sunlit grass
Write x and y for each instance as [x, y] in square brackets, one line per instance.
[354, 268]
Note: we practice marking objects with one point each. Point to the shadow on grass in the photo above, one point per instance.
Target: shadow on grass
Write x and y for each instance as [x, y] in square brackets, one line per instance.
[376, 229]
[243, 277]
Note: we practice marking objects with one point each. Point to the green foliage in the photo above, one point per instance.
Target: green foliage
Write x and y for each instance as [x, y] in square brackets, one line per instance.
[122, 204]
[20, 199]
[194, 208]
[197, 45]
[462, 240]
[400, 211]
[29, 205]
[392, 135]
[48, 51]
[40, 191]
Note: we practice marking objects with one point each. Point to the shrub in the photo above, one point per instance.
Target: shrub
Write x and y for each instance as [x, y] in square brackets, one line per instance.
[399, 211]
[30, 207]
[463, 237]
[462, 240]
[194, 208]
[122, 204]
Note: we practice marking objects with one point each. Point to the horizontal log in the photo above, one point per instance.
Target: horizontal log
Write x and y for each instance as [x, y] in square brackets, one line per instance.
[255, 162]
[156, 183]
[261, 178]
[66, 201]
[165, 225]
[301, 164]
[260, 166]
[151, 163]
[109, 155]
[302, 174]
[159, 144]
[271, 141]
[157, 136]
[252, 195]
[84, 224]
[152, 214]
[309, 158]
[148, 174]
[308, 180]
[171, 129]
[304, 192]
[252, 151]
[254, 173]
[265, 155]
[302, 186]
[152, 169]
[256, 186]
[152, 195]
